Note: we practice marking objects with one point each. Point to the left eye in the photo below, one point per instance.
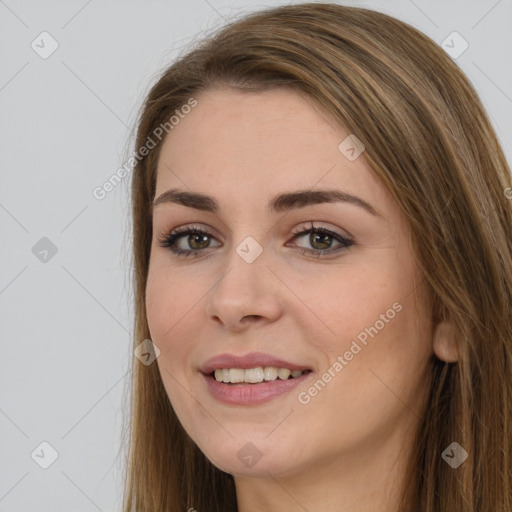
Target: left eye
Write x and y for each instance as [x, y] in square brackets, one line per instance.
[321, 239]
[198, 240]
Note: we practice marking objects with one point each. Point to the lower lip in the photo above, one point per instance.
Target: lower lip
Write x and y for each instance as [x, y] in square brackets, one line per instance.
[251, 394]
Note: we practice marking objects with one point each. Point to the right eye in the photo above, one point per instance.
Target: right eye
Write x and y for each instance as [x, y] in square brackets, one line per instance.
[197, 240]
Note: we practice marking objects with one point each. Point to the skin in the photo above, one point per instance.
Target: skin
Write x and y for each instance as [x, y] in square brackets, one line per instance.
[345, 449]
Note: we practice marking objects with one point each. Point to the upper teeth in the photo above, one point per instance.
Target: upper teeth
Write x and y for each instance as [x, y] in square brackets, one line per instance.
[254, 375]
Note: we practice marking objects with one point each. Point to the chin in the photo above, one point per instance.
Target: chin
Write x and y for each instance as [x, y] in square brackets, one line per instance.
[251, 456]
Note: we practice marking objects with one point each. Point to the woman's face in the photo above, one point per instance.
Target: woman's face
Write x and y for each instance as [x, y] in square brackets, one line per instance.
[354, 313]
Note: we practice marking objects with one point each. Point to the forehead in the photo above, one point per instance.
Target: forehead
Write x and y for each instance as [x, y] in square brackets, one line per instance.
[239, 144]
[229, 119]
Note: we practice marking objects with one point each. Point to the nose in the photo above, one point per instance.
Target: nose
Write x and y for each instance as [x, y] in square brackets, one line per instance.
[246, 294]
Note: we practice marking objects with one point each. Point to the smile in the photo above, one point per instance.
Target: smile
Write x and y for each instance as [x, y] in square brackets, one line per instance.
[243, 393]
[254, 375]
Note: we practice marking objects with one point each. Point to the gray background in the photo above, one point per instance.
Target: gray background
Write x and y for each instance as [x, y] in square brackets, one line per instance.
[65, 125]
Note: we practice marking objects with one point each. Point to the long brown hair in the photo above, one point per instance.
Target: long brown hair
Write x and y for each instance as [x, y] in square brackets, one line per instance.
[429, 140]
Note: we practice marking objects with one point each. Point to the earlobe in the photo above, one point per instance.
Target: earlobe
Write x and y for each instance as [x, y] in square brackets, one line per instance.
[445, 342]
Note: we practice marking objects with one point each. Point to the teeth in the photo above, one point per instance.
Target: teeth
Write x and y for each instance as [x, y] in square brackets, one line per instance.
[254, 375]
[283, 373]
[236, 375]
[270, 373]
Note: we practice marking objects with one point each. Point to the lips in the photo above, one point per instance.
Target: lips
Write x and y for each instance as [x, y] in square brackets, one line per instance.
[251, 360]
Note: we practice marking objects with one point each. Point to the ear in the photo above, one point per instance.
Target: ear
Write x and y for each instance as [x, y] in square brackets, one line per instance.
[445, 342]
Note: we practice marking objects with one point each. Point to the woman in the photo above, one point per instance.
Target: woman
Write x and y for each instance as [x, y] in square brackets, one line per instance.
[322, 234]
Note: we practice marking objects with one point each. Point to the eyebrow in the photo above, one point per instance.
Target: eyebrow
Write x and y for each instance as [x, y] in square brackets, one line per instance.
[280, 203]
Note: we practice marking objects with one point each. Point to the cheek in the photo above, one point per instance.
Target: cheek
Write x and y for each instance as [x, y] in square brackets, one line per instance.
[166, 311]
[346, 302]
[170, 309]
[384, 360]
[170, 299]
[370, 313]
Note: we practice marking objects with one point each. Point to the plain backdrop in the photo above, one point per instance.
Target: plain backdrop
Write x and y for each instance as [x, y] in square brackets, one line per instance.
[66, 118]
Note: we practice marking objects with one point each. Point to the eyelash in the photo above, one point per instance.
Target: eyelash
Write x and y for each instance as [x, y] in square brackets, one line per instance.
[168, 240]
